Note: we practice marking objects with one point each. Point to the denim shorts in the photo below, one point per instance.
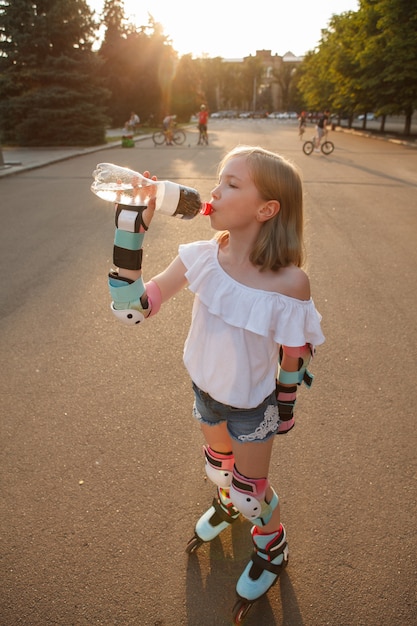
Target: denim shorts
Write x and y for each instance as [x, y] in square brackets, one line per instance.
[243, 425]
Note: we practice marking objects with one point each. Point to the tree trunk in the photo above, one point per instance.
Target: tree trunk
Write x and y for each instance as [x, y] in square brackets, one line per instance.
[407, 125]
[383, 119]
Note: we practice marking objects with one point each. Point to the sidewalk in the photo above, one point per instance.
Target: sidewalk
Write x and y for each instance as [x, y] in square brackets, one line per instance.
[18, 160]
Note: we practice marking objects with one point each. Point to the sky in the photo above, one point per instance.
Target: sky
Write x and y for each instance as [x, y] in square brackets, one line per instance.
[227, 29]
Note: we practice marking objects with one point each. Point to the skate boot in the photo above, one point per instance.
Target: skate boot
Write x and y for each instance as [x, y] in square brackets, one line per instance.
[269, 558]
[219, 516]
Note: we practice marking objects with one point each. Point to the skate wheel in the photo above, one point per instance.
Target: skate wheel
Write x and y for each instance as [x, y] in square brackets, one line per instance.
[240, 610]
[194, 543]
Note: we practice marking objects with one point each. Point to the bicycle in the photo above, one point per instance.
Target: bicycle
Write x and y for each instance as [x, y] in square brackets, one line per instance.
[326, 146]
[176, 135]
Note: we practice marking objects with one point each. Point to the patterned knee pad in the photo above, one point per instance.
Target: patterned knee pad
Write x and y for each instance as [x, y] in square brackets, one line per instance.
[219, 467]
[248, 496]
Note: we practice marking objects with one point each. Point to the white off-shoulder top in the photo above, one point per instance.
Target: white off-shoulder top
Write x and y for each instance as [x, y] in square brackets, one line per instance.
[232, 347]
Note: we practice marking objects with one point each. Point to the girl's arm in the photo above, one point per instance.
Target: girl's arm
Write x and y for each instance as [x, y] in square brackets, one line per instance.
[132, 300]
[171, 280]
[292, 372]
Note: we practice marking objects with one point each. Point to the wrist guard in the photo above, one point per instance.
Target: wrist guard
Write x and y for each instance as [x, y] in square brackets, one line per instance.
[286, 398]
[128, 238]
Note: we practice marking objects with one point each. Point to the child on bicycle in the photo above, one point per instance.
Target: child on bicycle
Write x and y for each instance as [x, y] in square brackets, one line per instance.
[321, 128]
[167, 125]
[252, 310]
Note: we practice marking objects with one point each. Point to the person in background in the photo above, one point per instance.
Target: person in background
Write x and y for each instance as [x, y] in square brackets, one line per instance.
[132, 123]
[202, 125]
[167, 125]
[321, 128]
[302, 123]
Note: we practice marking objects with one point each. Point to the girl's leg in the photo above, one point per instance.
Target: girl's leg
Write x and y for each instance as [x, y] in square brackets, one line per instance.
[217, 437]
[270, 553]
[219, 468]
[252, 460]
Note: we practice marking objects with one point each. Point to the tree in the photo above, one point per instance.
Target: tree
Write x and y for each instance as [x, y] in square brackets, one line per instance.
[329, 75]
[48, 71]
[250, 80]
[366, 61]
[284, 76]
[111, 54]
[186, 89]
[388, 56]
[138, 66]
[207, 89]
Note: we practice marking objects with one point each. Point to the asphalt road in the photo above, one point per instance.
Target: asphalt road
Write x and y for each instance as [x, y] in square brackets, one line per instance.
[101, 465]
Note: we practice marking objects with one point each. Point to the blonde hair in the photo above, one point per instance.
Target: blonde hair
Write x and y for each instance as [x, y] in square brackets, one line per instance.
[280, 241]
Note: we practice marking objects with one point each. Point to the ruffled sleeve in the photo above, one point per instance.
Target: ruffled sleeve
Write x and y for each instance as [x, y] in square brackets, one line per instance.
[289, 321]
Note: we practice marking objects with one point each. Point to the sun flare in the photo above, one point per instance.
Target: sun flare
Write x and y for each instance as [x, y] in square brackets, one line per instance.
[231, 30]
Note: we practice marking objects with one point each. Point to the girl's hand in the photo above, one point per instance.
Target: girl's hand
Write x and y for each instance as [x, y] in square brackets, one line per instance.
[149, 212]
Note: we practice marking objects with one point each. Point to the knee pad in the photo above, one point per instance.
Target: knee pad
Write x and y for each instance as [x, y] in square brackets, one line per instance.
[219, 467]
[248, 496]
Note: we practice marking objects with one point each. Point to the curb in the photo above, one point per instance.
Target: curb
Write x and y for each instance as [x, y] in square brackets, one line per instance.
[369, 135]
[17, 168]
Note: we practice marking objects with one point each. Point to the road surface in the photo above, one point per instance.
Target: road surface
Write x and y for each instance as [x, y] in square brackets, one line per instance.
[101, 464]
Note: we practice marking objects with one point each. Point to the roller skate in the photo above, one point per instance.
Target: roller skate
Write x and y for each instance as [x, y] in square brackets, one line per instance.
[269, 558]
[219, 516]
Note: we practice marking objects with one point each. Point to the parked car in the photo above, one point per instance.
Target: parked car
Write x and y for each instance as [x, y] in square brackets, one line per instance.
[369, 117]
[259, 114]
[224, 114]
[284, 115]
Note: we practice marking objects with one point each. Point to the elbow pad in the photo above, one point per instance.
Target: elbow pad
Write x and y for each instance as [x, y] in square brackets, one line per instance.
[133, 301]
[304, 354]
[287, 382]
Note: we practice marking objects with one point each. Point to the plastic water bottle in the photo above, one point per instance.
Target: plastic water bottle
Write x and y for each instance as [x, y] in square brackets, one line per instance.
[124, 186]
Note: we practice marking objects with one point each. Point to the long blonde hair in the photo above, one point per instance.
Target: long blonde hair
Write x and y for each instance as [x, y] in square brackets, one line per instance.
[280, 241]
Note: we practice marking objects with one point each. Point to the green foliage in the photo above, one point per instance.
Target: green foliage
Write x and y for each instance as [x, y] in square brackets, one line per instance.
[57, 90]
[185, 89]
[138, 67]
[51, 93]
[366, 61]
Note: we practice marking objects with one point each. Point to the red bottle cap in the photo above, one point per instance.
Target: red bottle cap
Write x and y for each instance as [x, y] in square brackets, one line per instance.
[206, 208]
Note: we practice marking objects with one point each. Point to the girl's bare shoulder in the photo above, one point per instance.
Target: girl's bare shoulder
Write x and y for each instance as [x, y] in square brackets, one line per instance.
[293, 281]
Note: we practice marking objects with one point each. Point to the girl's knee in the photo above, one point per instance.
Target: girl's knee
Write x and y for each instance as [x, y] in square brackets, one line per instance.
[249, 497]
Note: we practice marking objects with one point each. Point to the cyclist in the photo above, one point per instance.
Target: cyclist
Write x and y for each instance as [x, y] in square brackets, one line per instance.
[321, 128]
[167, 125]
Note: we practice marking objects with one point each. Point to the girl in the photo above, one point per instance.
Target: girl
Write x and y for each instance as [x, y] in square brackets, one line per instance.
[252, 310]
